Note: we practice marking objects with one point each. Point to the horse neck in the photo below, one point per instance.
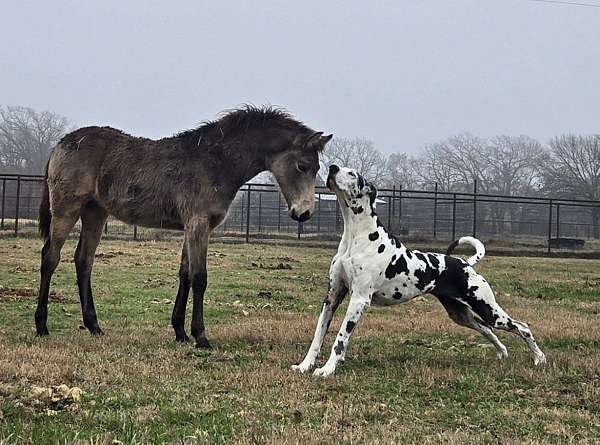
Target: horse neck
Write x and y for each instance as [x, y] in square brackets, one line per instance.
[246, 158]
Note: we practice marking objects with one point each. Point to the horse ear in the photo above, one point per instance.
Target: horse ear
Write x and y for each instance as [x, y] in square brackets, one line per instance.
[323, 141]
[313, 139]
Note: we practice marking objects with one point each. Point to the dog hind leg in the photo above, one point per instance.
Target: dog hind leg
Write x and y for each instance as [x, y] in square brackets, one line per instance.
[463, 315]
[521, 329]
[484, 304]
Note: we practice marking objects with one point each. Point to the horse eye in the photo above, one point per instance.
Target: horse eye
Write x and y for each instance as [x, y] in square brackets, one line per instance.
[301, 168]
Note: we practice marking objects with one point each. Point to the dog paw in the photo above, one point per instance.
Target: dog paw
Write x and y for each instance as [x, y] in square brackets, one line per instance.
[502, 354]
[325, 371]
[539, 359]
[302, 367]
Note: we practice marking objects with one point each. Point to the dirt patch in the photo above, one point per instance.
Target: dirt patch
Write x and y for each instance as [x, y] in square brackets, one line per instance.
[279, 266]
[24, 293]
[109, 254]
[48, 400]
[287, 259]
[153, 283]
[264, 294]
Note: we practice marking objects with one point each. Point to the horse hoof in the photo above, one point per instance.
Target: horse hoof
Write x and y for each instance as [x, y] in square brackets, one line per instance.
[202, 343]
[182, 338]
[42, 332]
[96, 332]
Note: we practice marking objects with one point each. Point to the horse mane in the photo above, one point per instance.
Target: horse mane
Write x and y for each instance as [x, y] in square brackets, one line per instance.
[235, 122]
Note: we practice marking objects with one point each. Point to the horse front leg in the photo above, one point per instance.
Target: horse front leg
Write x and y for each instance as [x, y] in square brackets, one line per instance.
[197, 232]
[178, 317]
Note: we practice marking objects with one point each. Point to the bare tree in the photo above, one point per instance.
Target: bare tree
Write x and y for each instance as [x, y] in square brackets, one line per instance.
[503, 164]
[358, 153]
[26, 138]
[402, 171]
[514, 164]
[574, 170]
[454, 163]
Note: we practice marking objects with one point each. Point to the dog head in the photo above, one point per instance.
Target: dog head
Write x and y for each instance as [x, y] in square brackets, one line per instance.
[351, 188]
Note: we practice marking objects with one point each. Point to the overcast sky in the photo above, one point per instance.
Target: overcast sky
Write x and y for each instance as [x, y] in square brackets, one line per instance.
[402, 73]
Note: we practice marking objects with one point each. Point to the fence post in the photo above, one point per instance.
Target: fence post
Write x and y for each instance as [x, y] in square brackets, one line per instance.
[400, 208]
[319, 215]
[389, 209]
[248, 215]
[475, 208]
[299, 229]
[3, 201]
[135, 233]
[435, 197]
[549, 223]
[17, 205]
[393, 209]
[259, 211]
[557, 222]
[106, 228]
[454, 216]
[242, 217]
[278, 212]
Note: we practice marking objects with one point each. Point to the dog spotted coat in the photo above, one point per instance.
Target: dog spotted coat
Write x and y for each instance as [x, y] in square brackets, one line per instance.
[374, 267]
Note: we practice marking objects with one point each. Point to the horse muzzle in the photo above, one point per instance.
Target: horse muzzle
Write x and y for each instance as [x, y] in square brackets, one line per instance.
[299, 215]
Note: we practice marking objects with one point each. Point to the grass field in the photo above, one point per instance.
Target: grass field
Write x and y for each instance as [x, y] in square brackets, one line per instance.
[411, 375]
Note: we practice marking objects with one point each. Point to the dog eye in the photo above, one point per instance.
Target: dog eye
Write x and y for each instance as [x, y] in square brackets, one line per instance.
[352, 174]
[301, 168]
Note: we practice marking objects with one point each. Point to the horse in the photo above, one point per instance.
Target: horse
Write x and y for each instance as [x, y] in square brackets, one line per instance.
[184, 182]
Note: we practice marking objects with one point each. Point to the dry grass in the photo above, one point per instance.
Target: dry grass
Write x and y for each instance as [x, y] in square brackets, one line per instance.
[412, 376]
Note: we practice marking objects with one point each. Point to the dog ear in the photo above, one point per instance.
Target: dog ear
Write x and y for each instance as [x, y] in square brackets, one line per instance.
[372, 192]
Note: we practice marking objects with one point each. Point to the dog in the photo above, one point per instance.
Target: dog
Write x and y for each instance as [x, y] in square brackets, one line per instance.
[374, 267]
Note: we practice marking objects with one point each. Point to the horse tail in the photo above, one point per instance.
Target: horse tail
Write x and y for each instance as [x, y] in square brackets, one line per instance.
[478, 245]
[45, 216]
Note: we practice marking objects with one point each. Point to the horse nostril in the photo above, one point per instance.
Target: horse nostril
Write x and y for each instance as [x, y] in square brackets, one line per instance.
[304, 216]
[333, 169]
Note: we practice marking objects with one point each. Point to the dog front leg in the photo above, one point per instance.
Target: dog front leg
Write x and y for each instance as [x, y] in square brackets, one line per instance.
[331, 303]
[357, 306]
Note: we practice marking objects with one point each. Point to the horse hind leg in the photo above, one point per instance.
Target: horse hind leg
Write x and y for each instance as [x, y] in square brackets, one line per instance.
[60, 227]
[93, 218]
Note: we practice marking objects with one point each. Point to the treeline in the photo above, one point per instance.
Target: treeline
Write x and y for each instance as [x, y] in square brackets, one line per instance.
[567, 166]
[26, 138]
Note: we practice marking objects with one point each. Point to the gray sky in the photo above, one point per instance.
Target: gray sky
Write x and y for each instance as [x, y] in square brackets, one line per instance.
[402, 73]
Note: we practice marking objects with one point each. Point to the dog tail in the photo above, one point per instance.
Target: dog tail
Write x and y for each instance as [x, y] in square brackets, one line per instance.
[478, 245]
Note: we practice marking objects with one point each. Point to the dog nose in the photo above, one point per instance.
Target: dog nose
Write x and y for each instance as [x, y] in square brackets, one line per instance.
[333, 169]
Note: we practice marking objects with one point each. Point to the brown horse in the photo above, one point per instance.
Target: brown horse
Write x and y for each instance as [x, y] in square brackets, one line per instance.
[184, 182]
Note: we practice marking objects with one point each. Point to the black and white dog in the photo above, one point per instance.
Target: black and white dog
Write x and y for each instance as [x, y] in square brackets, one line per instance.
[376, 268]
